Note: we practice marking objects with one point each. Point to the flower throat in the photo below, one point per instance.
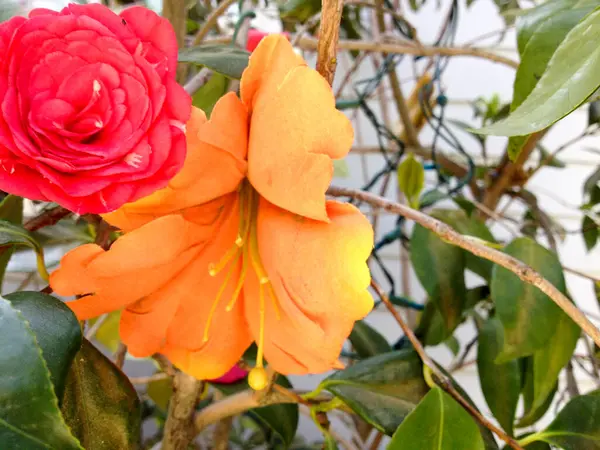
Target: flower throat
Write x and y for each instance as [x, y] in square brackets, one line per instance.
[246, 248]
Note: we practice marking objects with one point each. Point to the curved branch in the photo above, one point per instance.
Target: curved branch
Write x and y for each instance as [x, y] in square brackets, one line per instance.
[522, 270]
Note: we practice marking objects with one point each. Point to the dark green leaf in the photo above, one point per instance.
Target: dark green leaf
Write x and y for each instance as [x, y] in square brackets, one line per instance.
[29, 414]
[281, 418]
[100, 404]
[528, 315]
[594, 113]
[56, 329]
[440, 268]
[411, 179]
[570, 78]
[545, 30]
[500, 383]
[533, 446]
[590, 232]
[225, 59]
[577, 426]
[431, 329]
[368, 342]
[206, 97]
[11, 210]
[591, 183]
[469, 226]
[532, 415]
[300, 10]
[382, 389]
[453, 345]
[549, 360]
[437, 423]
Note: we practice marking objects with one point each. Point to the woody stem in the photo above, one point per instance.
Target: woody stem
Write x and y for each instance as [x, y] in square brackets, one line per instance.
[179, 430]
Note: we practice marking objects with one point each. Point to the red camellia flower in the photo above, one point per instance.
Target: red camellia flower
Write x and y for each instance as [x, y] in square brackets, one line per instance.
[92, 116]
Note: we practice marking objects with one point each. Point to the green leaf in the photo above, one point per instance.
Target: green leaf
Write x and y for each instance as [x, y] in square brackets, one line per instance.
[469, 226]
[225, 59]
[570, 78]
[382, 389]
[528, 315]
[411, 179]
[440, 268]
[549, 360]
[11, 210]
[591, 183]
[437, 423]
[56, 329]
[207, 96]
[545, 27]
[29, 414]
[15, 235]
[500, 383]
[532, 415]
[431, 329]
[368, 342]
[340, 168]
[100, 405]
[577, 426]
[590, 232]
[281, 418]
[299, 10]
[533, 446]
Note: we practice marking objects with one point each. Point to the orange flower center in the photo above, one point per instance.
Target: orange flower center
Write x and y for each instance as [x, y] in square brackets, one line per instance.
[246, 248]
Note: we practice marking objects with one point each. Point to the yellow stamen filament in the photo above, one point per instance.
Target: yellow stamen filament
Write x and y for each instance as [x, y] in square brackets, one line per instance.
[240, 284]
[261, 327]
[214, 269]
[213, 308]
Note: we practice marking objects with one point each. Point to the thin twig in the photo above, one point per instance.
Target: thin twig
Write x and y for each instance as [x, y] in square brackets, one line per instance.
[329, 31]
[448, 234]
[442, 380]
[120, 355]
[47, 218]
[145, 380]
[94, 328]
[211, 21]
[197, 81]
[179, 430]
[307, 43]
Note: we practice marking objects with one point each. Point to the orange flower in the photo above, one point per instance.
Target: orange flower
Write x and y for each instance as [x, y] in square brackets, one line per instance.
[242, 245]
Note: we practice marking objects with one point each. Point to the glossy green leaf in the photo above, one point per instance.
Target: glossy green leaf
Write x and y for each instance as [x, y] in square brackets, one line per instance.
[100, 404]
[382, 389]
[11, 210]
[440, 268]
[281, 418]
[592, 184]
[500, 383]
[533, 446]
[552, 358]
[545, 27]
[532, 415]
[528, 315]
[300, 10]
[224, 59]
[431, 329]
[29, 414]
[368, 342]
[15, 235]
[207, 96]
[577, 426]
[570, 78]
[469, 226]
[437, 423]
[56, 329]
[411, 179]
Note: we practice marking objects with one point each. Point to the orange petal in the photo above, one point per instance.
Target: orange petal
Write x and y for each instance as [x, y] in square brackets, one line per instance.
[136, 265]
[295, 132]
[214, 166]
[269, 64]
[228, 335]
[320, 277]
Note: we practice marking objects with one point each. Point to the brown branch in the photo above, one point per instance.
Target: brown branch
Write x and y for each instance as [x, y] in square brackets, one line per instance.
[120, 355]
[175, 11]
[179, 429]
[211, 21]
[447, 233]
[307, 43]
[329, 31]
[47, 218]
[509, 170]
[441, 379]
